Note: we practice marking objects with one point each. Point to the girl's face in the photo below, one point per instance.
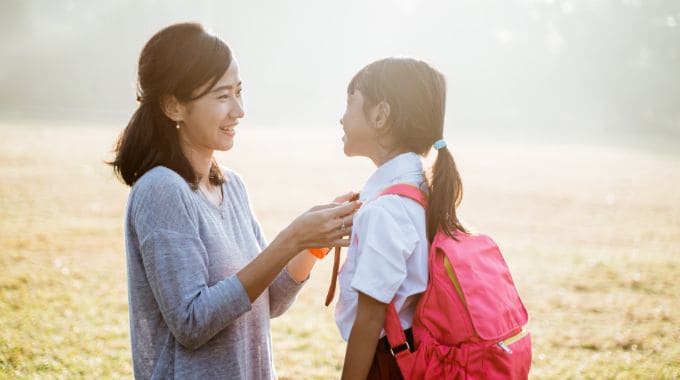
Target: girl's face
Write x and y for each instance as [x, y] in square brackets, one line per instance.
[360, 137]
[209, 122]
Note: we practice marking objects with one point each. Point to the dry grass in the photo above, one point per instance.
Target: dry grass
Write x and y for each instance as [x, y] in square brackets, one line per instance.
[592, 235]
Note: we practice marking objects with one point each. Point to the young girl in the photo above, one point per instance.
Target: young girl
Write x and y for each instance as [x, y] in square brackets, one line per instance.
[394, 115]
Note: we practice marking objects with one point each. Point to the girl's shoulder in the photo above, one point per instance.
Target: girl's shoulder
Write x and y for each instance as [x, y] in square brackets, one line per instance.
[389, 212]
[391, 204]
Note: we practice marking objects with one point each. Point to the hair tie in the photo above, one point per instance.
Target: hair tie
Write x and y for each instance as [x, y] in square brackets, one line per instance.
[439, 144]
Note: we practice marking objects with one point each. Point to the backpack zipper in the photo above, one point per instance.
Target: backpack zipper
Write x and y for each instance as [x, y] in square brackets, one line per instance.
[505, 343]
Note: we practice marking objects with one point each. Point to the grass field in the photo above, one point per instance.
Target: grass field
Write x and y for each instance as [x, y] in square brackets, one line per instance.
[591, 233]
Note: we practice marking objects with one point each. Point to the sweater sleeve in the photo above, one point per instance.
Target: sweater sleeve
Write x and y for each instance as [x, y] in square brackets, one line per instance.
[174, 259]
[282, 293]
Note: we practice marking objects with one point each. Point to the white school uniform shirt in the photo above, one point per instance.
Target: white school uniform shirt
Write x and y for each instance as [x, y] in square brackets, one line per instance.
[387, 256]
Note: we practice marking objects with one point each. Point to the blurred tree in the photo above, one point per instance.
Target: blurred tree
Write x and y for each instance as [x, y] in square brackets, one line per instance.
[615, 60]
[526, 66]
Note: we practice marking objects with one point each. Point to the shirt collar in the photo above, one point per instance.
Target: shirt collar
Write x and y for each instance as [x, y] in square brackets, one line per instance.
[404, 168]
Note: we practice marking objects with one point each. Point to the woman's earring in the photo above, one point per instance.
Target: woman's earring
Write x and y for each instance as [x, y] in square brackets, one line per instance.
[177, 126]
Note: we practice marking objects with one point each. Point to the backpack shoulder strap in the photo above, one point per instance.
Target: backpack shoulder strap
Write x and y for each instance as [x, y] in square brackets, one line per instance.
[408, 191]
[393, 329]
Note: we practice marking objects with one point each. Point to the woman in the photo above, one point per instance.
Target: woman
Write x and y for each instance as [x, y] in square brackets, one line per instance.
[203, 283]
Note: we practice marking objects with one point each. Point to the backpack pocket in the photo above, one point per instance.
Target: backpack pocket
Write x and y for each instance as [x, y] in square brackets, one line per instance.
[512, 354]
[483, 282]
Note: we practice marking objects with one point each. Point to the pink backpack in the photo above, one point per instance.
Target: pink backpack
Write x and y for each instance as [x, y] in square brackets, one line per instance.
[469, 322]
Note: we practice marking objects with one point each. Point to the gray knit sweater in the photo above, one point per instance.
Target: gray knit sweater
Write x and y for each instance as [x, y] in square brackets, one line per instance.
[190, 317]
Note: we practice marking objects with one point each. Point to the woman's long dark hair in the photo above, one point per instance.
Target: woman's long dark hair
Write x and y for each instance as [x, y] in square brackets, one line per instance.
[176, 61]
[416, 94]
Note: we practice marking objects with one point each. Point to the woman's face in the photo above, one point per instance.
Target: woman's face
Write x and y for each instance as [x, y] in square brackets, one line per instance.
[209, 123]
[360, 133]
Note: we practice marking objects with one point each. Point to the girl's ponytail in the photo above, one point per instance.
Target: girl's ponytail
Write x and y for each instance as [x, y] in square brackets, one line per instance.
[446, 193]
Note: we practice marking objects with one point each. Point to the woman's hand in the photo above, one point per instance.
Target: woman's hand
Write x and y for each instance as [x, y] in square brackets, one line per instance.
[321, 226]
[346, 197]
[324, 225]
[301, 265]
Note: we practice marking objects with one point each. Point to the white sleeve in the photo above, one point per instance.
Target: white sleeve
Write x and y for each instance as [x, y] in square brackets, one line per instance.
[387, 238]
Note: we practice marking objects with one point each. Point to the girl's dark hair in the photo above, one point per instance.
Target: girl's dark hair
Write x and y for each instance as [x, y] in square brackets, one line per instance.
[416, 94]
[176, 61]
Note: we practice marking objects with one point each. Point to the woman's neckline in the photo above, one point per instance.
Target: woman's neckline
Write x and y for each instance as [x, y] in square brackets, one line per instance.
[218, 208]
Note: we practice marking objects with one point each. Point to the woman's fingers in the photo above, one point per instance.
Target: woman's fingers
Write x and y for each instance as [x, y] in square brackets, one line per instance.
[326, 225]
[343, 210]
[344, 197]
[342, 225]
[324, 207]
[342, 233]
[345, 222]
[334, 234]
